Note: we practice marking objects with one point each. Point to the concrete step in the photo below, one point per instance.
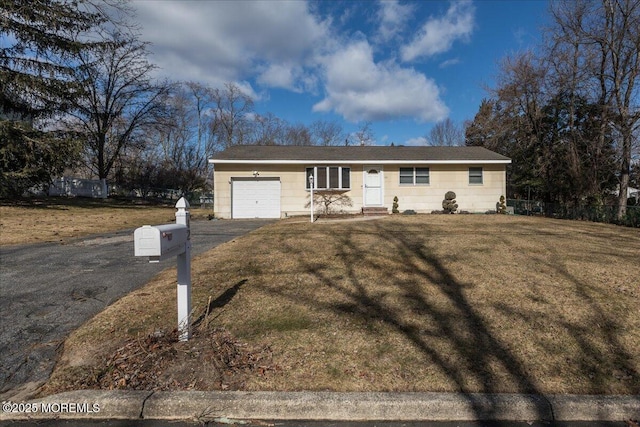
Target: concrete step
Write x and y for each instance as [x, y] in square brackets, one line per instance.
[371, 211]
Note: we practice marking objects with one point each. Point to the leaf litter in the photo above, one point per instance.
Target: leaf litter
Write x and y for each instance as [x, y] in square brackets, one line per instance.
[159, 361]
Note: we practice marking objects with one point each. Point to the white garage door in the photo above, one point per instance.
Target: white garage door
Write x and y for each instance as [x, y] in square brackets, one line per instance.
[255, 198]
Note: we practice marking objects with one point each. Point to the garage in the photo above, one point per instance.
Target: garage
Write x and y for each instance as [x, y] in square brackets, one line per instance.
[255, 198]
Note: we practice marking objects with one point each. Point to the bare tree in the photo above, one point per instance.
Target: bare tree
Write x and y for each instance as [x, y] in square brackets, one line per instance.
[230, 124]
[180, 136]
[269, 130]
[483, 130]
[119, 99]
[202, 101]
[138, 170]
[330, 201]
[446, 133]
[620, 45]
[327, 133]
[604, 42]
[577, 77]
[521, 94]
[297, 135]
[511, 123]
[363, 136]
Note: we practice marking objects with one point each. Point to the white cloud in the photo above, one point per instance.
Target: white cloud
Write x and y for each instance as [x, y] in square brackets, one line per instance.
[360, 89]
[218, 41]
[438, 34]
[246, 88]
[288, 76]
[449, 63]
[285, 44]
[419, 141]
[279, 75]
[392, 16]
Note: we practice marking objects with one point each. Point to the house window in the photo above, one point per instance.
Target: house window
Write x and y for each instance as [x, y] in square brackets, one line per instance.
[422, 175]
[334, 178]
[475, 175]
[406, 175]
[346, 178]
[320, 180]
[414, 176]
[329, 177]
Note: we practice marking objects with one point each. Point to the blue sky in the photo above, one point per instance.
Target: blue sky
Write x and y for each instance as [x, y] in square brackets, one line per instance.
[402, 66]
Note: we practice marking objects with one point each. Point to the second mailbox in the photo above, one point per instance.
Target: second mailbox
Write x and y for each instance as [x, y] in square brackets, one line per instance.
[159, 242]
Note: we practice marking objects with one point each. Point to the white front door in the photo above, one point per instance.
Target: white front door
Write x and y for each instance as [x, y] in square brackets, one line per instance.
[373, 180]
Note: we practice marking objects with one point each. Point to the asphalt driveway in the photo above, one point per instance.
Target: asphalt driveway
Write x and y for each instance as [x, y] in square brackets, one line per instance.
[48, 290]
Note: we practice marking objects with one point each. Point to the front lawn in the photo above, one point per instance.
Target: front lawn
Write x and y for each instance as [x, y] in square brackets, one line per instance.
[56, 219]
[474, 303]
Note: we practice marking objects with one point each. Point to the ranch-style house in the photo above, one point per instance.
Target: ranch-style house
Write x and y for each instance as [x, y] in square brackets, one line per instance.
[273, 181]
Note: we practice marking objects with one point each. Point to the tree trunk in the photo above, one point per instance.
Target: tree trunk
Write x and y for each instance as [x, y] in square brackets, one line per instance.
[624, 174]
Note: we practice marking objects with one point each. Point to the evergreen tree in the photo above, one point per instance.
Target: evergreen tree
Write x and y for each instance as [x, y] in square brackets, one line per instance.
[37, 65]
[29, 157]
[40, 40]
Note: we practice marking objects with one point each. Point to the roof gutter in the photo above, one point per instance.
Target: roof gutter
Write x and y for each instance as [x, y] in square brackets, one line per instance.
[358, 162]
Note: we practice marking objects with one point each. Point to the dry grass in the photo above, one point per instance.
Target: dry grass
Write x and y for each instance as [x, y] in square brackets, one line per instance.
[425, 303]
[58, 219]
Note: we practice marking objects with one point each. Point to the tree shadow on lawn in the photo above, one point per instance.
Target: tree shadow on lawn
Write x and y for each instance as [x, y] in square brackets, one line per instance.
[601, 353]
[476, 349]
[220, 302]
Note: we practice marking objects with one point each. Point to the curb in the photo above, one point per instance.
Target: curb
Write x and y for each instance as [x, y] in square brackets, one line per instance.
[330, 406]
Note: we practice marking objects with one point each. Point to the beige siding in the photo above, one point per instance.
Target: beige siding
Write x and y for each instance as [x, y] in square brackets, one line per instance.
[294, 195]
[426, 198]
[421, 198]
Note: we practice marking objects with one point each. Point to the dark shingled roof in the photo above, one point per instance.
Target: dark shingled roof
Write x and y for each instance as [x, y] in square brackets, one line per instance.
[356, 153]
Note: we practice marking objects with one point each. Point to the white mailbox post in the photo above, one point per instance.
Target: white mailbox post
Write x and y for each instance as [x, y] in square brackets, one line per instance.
[165, 241]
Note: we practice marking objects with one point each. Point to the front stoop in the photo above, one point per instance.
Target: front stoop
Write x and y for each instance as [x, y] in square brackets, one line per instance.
[375, 211]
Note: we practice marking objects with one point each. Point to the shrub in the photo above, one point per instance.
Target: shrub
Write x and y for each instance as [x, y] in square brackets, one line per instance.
[449, 203]
[502, 206]
[632, 218]
[394, 208]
